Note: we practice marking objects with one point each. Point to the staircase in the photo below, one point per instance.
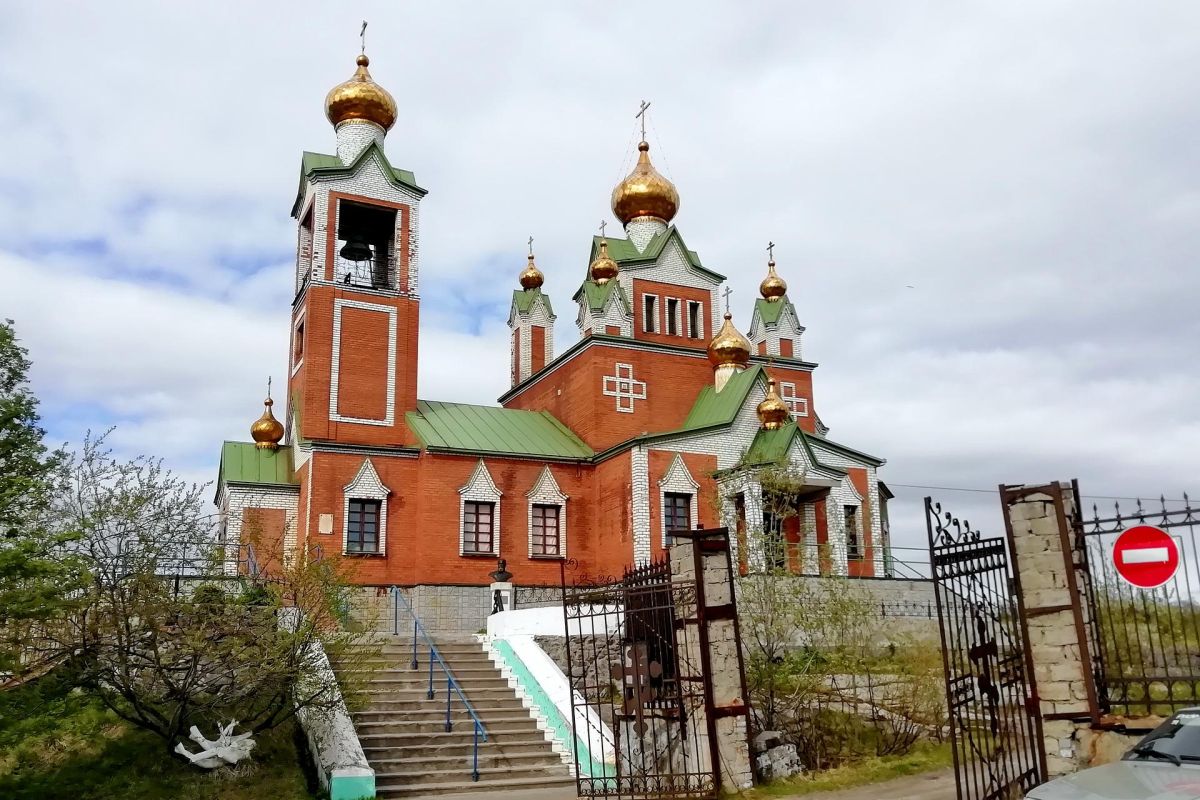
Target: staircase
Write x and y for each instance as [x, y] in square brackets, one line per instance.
[404, 734]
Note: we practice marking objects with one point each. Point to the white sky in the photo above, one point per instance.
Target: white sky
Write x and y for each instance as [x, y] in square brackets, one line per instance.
[1030, 170]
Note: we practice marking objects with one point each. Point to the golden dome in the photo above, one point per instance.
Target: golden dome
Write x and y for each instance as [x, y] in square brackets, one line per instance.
[531, 276]
[267, 431]
[729, 346]
[773, 287]
[603, 269]
[773, 412]
[645, 193]
[361, 98]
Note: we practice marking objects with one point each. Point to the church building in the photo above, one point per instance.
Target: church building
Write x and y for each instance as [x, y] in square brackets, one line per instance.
[662, 415]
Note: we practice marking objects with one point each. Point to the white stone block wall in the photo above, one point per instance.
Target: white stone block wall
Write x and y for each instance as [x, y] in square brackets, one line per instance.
[640, 483]
[354, 136]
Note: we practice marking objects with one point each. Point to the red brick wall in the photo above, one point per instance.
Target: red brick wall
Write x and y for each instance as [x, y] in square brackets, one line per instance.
[785, 348]
[264, 528]
[572, 393]
[362, 374]
[865, 567]
[537, 358]
[804, 388]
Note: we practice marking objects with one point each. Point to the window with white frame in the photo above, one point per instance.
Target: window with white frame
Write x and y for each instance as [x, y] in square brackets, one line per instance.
[672, 316]
[544, 539]
[854, 548]
[298, 344]
[364, 513]
[479, 514]
[650, 313]
[547, 517]
[797, 405]
[695, 320]
[362, 526]
[479, 528]
[678, 499]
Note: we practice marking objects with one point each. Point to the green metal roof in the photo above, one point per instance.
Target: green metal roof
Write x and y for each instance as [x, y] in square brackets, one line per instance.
[320, 164]
[242, 462]
[624, 251]
[491, 429]
[769, 447]
[598, 295]
[524, 300]
[771, 312]
[719, 408]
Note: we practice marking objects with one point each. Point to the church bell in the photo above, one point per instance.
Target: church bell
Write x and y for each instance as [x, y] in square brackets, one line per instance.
[356, 248]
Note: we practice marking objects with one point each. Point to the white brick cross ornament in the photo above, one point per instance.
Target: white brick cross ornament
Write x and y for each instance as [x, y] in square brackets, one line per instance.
[623, 387]
[797, 405]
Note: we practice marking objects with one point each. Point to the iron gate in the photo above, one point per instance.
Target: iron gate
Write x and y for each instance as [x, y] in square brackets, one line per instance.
[1148, 658]
[995, 727]
[637, 699]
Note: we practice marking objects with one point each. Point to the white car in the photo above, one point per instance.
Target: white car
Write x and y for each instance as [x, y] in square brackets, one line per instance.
[1165, 765]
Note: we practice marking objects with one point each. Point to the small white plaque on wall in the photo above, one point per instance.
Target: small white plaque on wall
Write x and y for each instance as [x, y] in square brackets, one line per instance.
[325, 523]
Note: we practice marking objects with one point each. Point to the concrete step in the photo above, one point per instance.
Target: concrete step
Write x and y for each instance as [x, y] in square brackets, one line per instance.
[487, 782]
[462, 736]
[516, 760]
[434, 725]
[391, 705]
[514, 713]
[417, 694]
[404, 678]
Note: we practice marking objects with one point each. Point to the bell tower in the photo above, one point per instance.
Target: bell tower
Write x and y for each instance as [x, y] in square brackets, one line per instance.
[353, 366]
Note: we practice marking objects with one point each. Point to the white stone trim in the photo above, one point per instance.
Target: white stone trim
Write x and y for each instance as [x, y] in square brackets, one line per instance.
[678, 480]
[365, 486]
[646, 318]
[690, 333]
[479, 488]
[640, 500]
[546, 492]
[335, 362]
[624, 387]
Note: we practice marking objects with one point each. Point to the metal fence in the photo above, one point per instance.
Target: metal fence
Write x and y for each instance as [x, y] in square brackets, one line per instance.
[1148, 661]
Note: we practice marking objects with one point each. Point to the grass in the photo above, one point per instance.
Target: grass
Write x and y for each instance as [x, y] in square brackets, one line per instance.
[922, 758]
[59, 743]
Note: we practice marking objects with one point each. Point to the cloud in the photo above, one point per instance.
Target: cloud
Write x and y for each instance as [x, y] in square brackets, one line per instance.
[1030, 171]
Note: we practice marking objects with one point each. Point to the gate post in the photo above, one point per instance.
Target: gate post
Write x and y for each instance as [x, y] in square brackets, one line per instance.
[703, 559]
[1054, 614]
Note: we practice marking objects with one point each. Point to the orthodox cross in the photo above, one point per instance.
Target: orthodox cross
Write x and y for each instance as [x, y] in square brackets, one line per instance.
[603, 225]
[268, 386]
[727, 292]
[642, 116]
[530, 245]
[771, 251]
[363, 35]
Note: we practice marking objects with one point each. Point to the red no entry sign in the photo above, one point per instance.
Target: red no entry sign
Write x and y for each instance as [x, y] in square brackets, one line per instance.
[1145, 556]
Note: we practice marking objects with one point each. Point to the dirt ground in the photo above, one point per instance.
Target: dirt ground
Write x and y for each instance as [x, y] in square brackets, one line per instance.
[937, 785]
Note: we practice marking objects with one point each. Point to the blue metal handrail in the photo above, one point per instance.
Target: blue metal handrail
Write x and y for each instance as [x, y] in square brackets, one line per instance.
[452, 685]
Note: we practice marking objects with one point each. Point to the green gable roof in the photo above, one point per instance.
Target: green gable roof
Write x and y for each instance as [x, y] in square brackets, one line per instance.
[242, 462]
[719, 408]
[490, 429]
[771, 312]
[624, 251]
[321, 165]
[598, 295]
[770, 447]
[523, 300]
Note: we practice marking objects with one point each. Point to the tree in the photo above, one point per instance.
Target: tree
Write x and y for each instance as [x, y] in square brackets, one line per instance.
[39, 578]
[173, 632]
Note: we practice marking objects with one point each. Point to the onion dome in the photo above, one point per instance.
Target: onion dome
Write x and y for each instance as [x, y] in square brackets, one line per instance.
[361, 98]
[603, 269]
[267, 431]
[729, 346]
[772, 411]
[773, 287]
[531, 276]
[644, 192]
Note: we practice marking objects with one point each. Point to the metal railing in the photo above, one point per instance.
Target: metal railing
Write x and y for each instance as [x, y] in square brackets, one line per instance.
[452, 685]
